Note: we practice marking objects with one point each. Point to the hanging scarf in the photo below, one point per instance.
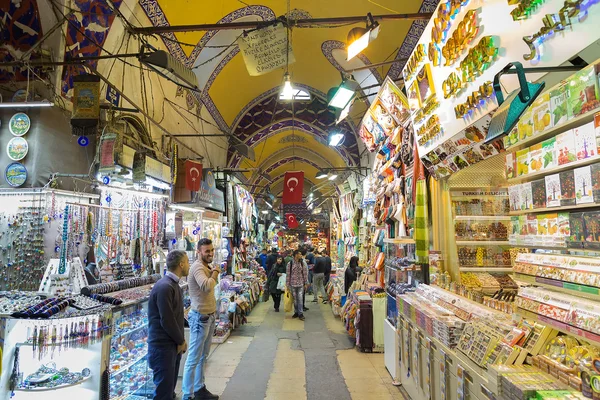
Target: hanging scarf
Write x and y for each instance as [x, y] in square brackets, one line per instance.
[421, 214]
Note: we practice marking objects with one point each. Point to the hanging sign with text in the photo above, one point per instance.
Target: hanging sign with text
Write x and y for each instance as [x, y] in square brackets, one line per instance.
[266, 49]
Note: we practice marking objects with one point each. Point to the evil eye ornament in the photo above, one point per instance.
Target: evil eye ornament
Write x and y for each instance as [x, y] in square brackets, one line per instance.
[108, 199]
[106, 180]
[83, 141]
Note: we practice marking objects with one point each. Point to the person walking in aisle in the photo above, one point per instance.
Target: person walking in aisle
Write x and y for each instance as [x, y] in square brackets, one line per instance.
[166, 340]
[328, 266]
[271, 259]
[276, 271]
[351, 273]
[297, 281]
[201, 319]
[262, 260]
[319, 278]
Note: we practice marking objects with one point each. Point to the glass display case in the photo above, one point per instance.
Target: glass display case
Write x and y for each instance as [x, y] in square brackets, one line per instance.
[401, 272]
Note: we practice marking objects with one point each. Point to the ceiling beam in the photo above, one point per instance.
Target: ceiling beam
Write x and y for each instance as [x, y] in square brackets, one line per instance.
[300, 23]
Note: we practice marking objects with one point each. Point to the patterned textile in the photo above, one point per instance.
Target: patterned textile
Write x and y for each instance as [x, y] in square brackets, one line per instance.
[421, 217]
[297, 274]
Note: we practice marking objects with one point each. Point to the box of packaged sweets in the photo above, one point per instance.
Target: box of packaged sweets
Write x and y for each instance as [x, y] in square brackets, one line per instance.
[549, 153]
[565, 147]
[583, 185]
[559, 105]
[532, 225]
[553, 190]
[583, 92]
[526, 196]
[563, 224]
[523, 162]
[585, 141]
[525, 125]
[510, 165]
[591, 223]
[542, 224]
[552, 222]
[538, 188]
[595, 171]
[567, 188]
[576, 225]
[597, 131]
[512, 138]
[535, 158]
[541, 115]
[514, 197]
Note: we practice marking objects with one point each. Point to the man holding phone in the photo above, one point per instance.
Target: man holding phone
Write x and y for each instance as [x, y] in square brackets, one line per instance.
[201, 284]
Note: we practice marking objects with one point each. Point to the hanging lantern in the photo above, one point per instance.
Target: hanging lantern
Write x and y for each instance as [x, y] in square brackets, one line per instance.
[86, 105]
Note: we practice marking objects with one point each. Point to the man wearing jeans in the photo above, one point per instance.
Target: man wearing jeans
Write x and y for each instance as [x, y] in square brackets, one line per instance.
[166, 341]
[297, 281]
[319, 278]
[201, 285]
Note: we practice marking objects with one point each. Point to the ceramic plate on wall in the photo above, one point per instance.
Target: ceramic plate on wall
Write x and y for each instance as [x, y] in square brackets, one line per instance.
[17, 148]
[15, 174]
[19, 124]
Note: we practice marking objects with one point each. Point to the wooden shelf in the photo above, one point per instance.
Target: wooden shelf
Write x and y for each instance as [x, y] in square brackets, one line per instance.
[549, 171]
[541, 246]
[565, 126]
[483, 242]
[482, 218]
[555, 209]
[485, 269]
[402, 240]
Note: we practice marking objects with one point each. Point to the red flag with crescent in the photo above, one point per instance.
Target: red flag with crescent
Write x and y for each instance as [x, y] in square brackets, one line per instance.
[193, 175]
[292, 222]
[293, 186]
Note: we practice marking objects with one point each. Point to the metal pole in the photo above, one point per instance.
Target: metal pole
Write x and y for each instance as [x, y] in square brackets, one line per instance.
[78, 60]
[375, 65]
[300, 23]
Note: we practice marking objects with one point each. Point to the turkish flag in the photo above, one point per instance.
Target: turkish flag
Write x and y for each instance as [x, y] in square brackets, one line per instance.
[193, 175]
[293, 185]
[292, 222]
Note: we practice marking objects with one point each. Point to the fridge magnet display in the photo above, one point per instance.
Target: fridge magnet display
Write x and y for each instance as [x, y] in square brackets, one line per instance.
[19, 124]
[576, 225]
[395, 101]
[583, 92]
[553, 191]
[526, 196]
[523, 162]
[558, 104]
[595, 171]
[567, 188]
[549, 154]
[17, 148]
[535, 158]
[565, 147]
[15, 174]
[585, 141]
[583, 185]
[538, 188]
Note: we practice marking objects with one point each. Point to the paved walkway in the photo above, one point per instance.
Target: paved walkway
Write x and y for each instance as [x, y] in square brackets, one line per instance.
[276, 357]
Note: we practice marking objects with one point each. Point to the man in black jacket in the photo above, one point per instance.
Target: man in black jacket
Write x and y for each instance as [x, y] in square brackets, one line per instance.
[319, 278]
[166, 340]
[328, 266]
[272, 259]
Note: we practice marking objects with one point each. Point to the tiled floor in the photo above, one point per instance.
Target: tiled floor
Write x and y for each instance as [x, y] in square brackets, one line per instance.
[276, 357]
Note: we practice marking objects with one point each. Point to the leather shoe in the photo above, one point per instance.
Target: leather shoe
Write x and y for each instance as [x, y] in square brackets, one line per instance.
[295, 316]
[204, 394]
[305, 309]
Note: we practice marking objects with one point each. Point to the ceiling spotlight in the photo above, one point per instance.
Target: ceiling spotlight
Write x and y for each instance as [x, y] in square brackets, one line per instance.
[289, 92]
[169, 67]
[343, 114]
[321, 174]
[336, 139]
[333, 176]
[341, 96]
[359, 38]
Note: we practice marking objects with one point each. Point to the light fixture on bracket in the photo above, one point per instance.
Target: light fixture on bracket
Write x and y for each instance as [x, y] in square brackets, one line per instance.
[333, 176]
[322, 174]
[336, 139]
[26, 104]
[288, 92]
[169, 67]
[340, 97]
[359, 38]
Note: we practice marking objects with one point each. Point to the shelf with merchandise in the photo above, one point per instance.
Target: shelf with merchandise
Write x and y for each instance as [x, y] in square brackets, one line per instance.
[486, 269]
[549, 171]
[482, 218]
[587, 292]
[139, 376]
[141, 355]
[482, 242]
[554, 209]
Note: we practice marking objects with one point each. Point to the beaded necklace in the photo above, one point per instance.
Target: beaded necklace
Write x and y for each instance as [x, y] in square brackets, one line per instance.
[63, 251]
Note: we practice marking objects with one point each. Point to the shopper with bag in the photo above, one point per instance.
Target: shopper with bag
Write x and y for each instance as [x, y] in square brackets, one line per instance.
[297, 282]
[276, 282]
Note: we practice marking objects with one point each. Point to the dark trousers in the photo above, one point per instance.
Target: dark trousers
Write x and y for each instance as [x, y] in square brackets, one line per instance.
[164, 362]
[276, 300]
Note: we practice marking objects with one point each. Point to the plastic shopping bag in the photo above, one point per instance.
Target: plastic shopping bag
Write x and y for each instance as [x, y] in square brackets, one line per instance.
[281, 283]
[288, 302]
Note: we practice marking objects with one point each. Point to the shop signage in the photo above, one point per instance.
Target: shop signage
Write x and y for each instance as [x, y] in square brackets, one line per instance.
[209, 196]
[266, 49]
[448, 76]
[139, 167]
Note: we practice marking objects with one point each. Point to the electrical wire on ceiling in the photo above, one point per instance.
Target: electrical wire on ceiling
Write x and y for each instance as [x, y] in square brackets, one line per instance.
[234, 43]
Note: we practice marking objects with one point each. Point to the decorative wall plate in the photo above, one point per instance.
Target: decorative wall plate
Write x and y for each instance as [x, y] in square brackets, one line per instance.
[17, 148]
[19, 124]
[15, 174]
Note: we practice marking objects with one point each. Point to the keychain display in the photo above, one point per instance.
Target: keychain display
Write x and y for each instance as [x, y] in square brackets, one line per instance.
[49, 377]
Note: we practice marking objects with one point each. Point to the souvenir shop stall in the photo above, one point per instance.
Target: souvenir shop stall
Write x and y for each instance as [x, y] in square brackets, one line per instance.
[244, 228]
[510, 311]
